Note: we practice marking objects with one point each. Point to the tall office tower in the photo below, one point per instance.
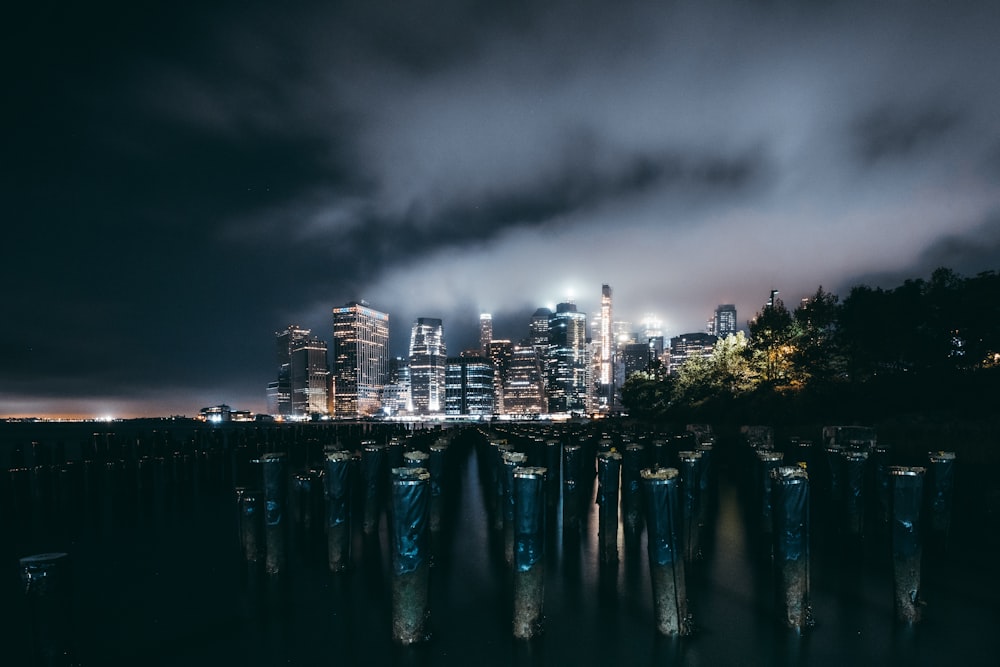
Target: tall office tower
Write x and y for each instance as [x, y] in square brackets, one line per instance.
[538, 337]
[523, 388]
[396, 392]
[656, 347]
[606, 377]
[500, 355]
[636, 358]
[485, 333]
[310, 375]
[360, 359]
[427, 366]
[690, 345]
[623, 333]
[280, 392]
[469, 385]
[568, 370]
[725, 320]
[652, 326]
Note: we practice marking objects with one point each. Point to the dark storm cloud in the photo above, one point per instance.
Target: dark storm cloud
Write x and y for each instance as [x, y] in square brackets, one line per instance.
[966, 253]
[185, 180]
[898, 133]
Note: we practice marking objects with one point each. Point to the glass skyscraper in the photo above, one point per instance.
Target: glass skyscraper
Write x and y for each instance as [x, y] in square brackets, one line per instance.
[428, 359]
[605, 353]
[310, 378]
[469, 386]
[360, 359]
[725, 320]
[568, 368]
[523, 389]
[485, 333]
[280, 392]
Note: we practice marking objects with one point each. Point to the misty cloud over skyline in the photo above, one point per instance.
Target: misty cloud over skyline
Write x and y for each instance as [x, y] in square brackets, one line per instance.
[186, 181]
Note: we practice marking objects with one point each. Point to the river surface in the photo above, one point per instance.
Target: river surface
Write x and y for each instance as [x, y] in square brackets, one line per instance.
[168, 586]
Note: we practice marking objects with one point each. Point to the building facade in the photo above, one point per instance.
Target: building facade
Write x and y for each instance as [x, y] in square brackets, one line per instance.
[485, 333]
[428, 359]
[279, 392]
[568, 364]
[396, 392]
[469, 386]
[606, 349]
[690, 345]
[724, 323]
[360, 359]
[310, 378]
[501, 352]
[523, 387]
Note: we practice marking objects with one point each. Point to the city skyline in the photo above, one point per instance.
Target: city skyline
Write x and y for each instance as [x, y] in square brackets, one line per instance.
[193, 177]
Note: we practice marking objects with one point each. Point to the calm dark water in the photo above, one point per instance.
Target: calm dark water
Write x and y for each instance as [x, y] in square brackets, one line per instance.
[167, 586]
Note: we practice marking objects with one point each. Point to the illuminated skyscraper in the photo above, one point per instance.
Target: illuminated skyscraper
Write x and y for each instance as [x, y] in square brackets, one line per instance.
[568, 369]
[396, 392]
[636, 358]
[539, 328]
[485, 333]
[538, 337]
[725, 320]
[606, 377]
[310, 378]
[500, 355]
[469, 386]
[652, 326]
[360, 358]
[428, 359]
[280, 392]
[523, 389]
[687, 346]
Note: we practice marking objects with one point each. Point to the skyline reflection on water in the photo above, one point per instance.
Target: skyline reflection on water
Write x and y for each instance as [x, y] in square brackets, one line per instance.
[169, 588]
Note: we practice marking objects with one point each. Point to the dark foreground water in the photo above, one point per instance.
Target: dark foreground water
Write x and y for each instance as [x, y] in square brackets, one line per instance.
[166, 585]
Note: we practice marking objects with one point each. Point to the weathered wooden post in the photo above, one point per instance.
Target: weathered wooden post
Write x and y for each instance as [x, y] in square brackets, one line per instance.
[791, 545]
[907, 497]
[529, 550]
[632, 488]
[664, 544]
[608, 481]
[410, 557]
[337, 489]
[511, 461]
[47, 586]
[275, 495]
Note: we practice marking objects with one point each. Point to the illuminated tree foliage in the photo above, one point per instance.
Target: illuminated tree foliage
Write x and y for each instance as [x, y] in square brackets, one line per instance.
[924, 345]
[771, 334]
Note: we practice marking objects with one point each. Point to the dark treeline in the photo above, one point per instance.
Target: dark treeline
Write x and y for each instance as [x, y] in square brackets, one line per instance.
[926, 347]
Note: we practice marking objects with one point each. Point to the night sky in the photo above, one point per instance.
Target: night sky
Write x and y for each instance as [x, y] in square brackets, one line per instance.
[182, 180]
